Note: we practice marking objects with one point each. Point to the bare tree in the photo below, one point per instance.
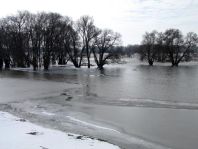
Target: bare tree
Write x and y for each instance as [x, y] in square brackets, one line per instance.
[6, 41]
[1, 48]
[148, 48]
[179, 47]
[50, 32]
[73, 45]
[61, 35]
[161, 52]
[106, 40]
[88, 32]
[19, 37]
[36, 25]
[44, 38]
[189, 46]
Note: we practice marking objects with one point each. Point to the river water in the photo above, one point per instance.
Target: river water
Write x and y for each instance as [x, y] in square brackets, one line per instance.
[158, 104]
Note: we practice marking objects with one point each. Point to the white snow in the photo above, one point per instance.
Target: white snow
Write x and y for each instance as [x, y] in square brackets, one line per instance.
[14, 135]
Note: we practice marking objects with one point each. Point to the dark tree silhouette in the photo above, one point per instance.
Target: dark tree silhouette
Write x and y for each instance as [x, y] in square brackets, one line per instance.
[106, 40]
[148, 47]
[19, 38]
[88, 32]
[161, 55]
[36, 38]
[41, 39]
[44, 39]
[168, 46]
[179, 47]
[73, 46]
[60, 51]
[5, 42]
[1, 48]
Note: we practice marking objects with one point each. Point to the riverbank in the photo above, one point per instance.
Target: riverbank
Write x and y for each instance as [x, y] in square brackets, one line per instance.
[131, 106]
[46, 103]
[18, 133]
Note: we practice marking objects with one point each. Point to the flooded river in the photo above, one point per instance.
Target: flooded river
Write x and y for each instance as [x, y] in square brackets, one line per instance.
[157, 104]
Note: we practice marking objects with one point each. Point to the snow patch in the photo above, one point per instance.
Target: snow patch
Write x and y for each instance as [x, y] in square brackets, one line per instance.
[25, 135]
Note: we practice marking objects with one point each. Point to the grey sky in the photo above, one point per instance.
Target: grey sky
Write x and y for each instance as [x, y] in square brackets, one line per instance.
[131, 18]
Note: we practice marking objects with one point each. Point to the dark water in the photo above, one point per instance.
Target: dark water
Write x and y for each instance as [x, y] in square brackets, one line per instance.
[129, 82]
[156, 103]
[143, 82]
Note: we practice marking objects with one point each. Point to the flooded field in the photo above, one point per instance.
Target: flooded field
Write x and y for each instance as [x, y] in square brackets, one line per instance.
[130, 105]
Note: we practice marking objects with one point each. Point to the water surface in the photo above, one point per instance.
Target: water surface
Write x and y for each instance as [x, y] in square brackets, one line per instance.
[158, 104]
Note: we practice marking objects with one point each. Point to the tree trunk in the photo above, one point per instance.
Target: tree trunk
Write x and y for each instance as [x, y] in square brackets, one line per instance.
[1, 64]
[46, 62]
[100, 67]
[175, 64]
[88, 55]
[150, 62]
[88, 60]
[60, 60]
[34, 63]
[7, 63]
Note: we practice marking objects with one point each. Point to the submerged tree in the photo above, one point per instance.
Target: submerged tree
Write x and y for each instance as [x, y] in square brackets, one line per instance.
[42, 39]
[161, 52]
[106, 40]
[6, 42]
[19, 38]
[168, 46]
[1, 47]
[178, 46]
[190, 45]
[148, 48]
[72, 45]
[36, 32]
[88, 33]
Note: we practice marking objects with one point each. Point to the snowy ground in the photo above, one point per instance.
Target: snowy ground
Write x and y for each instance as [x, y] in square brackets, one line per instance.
[18, 133]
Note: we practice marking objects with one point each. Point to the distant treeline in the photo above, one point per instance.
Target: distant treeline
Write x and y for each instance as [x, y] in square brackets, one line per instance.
[170, 46]
[42, 39]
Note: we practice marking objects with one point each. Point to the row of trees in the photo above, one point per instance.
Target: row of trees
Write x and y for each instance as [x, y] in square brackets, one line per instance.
[169, 46]
[42, 39]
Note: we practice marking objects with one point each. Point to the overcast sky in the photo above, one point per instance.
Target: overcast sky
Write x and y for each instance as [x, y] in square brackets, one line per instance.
[131, 18]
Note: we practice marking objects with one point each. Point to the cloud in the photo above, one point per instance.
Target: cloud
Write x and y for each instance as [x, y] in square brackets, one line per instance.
[129, 17]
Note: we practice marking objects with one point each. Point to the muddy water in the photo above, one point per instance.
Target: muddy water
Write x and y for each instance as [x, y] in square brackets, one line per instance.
[158, 104]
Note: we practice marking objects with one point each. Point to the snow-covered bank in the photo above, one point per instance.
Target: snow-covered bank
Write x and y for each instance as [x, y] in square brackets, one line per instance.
[18, 133]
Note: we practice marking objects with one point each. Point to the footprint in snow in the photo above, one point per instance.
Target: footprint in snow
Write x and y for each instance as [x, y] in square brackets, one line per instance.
[44, 147]
[34, 133]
